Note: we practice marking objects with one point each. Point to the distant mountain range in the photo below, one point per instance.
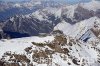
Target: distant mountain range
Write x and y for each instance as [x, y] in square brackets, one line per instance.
[10, 9]
[37, 17]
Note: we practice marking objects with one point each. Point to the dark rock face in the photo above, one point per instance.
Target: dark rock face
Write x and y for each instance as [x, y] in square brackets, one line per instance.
[82, 13]
[98, 13]
[67, 19]
[1, 63]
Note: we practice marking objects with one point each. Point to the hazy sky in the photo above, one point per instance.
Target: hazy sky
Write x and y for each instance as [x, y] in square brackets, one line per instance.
[69, 1]
[11, 0]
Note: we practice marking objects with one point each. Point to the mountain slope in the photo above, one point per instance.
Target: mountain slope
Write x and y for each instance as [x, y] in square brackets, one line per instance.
[78, 28]
[51, 50]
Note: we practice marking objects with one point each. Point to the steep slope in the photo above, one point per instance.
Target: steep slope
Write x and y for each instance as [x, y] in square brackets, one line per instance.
[80, 28]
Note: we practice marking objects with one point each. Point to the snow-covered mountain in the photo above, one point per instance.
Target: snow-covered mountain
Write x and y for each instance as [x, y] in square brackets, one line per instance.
[79, 29]
[31, 24]
[68, 35]
[9, 9]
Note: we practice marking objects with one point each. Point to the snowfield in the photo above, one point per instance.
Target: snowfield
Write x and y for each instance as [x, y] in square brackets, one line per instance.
[18, 45]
